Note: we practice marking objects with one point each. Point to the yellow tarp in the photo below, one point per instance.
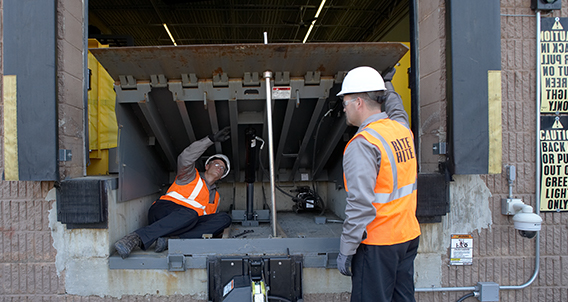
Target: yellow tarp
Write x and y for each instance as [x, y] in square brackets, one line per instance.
[400, 81]
[103, 127]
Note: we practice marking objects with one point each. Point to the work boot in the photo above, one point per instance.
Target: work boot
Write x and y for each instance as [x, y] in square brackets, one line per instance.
[125, 245]
[161, 244]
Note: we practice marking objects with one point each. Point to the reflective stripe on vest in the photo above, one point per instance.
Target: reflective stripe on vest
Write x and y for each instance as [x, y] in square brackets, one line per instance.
[198, 196]
[396, 192]
[191, 199]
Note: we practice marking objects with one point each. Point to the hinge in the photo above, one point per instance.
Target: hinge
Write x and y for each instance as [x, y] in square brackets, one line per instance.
[251, 79]
[189, 80]
[65, 155]
[312, 78]
[176, 262]
[127, 82]
[158, 81]
[439, 148]
[220, 80]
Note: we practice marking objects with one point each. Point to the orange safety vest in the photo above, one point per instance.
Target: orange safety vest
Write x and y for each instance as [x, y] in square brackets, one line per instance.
[194, 195]
[395, 189]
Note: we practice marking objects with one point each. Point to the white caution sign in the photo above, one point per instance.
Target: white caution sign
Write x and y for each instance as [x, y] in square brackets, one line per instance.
[554, 65]
[554, 163]
[461, 251]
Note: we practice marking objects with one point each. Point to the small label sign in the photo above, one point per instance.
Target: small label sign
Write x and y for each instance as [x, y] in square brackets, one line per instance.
[281, 93]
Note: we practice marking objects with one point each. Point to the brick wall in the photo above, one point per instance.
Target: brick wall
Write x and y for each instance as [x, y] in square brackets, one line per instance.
[432, 43]
[70, 79]
[500, 254]
[27, 257]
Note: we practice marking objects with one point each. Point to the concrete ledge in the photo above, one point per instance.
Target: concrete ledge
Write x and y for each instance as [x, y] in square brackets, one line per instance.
[316, 252]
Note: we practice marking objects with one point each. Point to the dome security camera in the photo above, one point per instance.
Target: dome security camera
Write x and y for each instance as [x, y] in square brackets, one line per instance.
[527, 234]
[527, 222]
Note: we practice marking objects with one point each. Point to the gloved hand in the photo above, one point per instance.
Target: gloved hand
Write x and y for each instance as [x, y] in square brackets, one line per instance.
[387, 77]
[344, 264]
[221, 136]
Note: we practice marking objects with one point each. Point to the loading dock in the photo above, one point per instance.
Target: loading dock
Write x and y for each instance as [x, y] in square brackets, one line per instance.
[168, 97]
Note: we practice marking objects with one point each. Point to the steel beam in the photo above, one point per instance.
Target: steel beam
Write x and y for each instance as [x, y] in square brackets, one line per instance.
[212, 111]
[234, 121]
[284, 133]
[186, 121]
[317, 252]
[155, 122]
[331, 143]
[309, 131]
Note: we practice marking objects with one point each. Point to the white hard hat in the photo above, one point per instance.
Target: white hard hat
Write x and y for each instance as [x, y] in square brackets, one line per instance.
[223, 158]
[362, 79]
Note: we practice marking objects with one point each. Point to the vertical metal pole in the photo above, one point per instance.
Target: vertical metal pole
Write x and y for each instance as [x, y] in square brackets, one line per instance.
[86, 145]
[538, 100]
[267, 76]
[250, 170]
[415, 80]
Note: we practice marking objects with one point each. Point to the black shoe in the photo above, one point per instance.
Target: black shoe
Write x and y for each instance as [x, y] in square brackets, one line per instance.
[125, 245]
[161, 244]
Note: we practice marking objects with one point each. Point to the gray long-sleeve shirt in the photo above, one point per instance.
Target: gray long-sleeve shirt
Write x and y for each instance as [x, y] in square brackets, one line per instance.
[186, 172]
[361, 162]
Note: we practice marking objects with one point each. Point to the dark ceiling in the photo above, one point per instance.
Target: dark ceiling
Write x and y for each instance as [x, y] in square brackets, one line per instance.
[140, 22]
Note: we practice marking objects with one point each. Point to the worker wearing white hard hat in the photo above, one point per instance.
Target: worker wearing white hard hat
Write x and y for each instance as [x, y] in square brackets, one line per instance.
[189, 207]
[362, 79]
[380, 234]
[224, 159]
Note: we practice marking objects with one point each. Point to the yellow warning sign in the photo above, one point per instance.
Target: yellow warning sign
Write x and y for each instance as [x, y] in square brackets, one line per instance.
[554, 65]
[554, 163]
[557, 25]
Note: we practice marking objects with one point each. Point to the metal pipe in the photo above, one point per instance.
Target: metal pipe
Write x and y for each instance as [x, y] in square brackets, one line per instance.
[250, 202]
[267, 76]
[511, 176]
[415, 80]
[446, 289]
[250, 170]
[86, 147]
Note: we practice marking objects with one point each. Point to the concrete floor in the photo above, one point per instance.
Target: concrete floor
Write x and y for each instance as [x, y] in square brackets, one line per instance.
[291, 225]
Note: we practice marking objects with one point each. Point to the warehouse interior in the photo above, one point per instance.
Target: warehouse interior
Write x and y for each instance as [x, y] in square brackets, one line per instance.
[192, 22]
[309, 49]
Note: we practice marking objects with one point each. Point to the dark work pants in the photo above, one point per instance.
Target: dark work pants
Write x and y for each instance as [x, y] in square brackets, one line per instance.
[166, 218]
[384, 273]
